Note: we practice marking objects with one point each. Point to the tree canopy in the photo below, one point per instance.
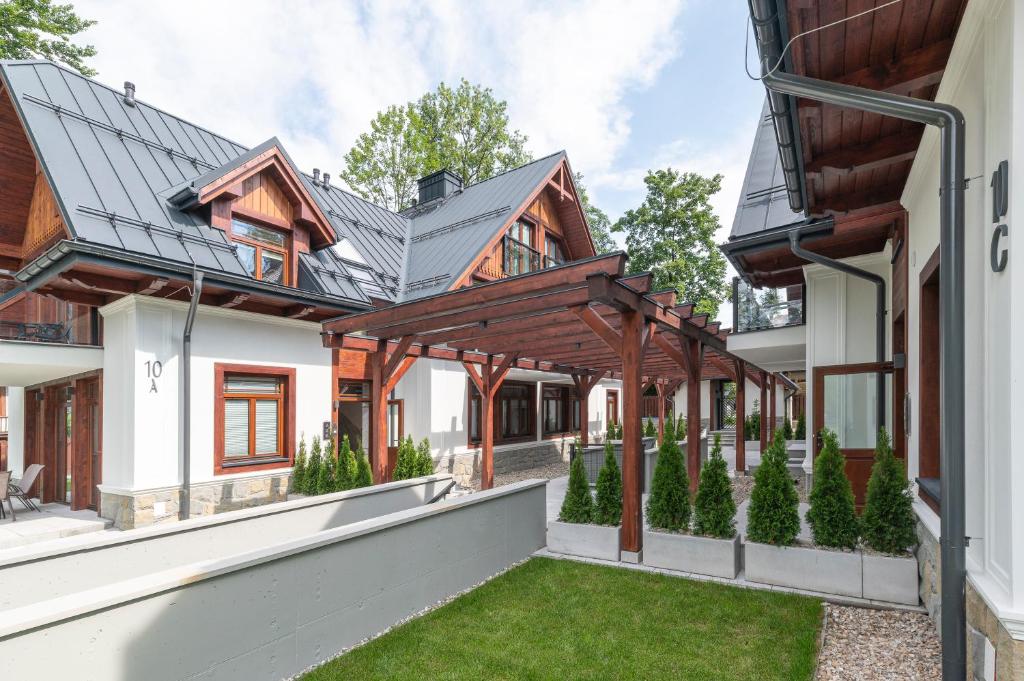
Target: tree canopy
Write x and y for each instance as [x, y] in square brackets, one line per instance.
[465, 129]
[600, 223]
[39, 29]
[672, 235]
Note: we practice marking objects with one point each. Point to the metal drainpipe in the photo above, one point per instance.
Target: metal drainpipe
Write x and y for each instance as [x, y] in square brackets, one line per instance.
[801, 252]
[184, 497]
[950, 123]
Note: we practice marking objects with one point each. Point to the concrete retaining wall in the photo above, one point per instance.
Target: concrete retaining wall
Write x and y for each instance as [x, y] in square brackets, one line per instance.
[104, 558]
[271, 613]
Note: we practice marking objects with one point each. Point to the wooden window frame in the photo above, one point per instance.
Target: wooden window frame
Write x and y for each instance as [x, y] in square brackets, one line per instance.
[474, 407]
[569, 405]
[607, 397]
[223, 465]
[284, 251]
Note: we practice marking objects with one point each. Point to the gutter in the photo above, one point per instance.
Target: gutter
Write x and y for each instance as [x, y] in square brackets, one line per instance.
[950, 123]
[184, 497]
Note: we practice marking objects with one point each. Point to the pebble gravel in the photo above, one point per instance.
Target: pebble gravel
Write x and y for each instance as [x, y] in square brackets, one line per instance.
[878, 645]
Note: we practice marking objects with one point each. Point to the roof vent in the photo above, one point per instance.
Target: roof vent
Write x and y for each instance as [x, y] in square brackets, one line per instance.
[327, 181]
[438, 185]
[316, 176]
[129, 93]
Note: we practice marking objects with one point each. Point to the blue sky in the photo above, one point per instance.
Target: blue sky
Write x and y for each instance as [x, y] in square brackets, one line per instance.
[623, 87]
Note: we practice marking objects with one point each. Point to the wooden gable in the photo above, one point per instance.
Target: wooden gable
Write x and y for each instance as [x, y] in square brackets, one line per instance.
[261, 195]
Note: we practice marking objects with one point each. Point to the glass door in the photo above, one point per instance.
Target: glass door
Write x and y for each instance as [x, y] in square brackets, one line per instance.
[846, 401]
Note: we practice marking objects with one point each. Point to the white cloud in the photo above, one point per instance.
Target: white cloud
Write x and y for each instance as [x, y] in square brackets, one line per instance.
[314, 74]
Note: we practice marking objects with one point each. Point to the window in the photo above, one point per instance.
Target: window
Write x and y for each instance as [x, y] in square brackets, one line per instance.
[520, 255]
[254, 422]
[553, 253]
[560, 410]
[514, 412]
[263, 251]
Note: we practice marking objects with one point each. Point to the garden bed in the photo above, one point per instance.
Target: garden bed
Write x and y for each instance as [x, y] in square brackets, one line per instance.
[561, 619]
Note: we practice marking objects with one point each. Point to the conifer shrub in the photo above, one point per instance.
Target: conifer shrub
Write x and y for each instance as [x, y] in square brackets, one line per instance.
[608, 509]
[311, 479]
[364, 478]
[773, 516]
[326, 478]
[405, 465]
[649, 429]
[752, 424]
[680, 429]
[345, 472]
[578, 505]
[787, 429]
[801, 428]
[714, 510]
[424, 461]
[299, 470]
[888, 522]
[668, 506]
[833, 515]
[610, 432]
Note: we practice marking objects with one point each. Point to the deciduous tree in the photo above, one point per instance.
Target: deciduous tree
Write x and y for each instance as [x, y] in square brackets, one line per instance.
[40, 29]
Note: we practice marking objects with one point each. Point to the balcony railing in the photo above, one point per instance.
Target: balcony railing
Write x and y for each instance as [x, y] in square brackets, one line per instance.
[758, 311]
[40, 319]
[520, 258]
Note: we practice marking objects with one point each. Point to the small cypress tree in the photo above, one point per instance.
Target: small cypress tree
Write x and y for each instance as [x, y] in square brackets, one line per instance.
[312, 476]
[833, 515]
[773, 516]
[649, 429]
[668, 506]
[364, 478]
[578, 505]
[405, 465]
[299, 470]
[801, 427]
[325, 480]
[424, 460]
[714, 510]
[680, 429]
[888, 521]
[618, 431]
[787, 428]
[610, 432]
[345, 471]
[608, 510]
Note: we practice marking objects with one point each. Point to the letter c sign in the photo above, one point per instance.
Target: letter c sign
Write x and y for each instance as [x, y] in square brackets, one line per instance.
[1000, 205]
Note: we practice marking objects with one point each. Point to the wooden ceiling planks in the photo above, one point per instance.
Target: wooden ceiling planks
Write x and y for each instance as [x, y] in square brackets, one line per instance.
[17, 177]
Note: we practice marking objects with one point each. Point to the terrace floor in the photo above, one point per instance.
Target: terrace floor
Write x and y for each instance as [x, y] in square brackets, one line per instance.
[52, 521]
[560, 619]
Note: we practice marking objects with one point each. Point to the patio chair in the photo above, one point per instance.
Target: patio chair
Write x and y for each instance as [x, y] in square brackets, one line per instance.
[5, 482]
[19, 490]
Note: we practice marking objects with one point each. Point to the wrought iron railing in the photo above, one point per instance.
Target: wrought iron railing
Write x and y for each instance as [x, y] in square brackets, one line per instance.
[754, 311]
[520, 258]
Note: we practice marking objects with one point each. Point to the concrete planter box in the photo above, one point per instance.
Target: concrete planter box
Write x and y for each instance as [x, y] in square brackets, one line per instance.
[687, 553]
[586, 541]
[832, 572]
[890, 578]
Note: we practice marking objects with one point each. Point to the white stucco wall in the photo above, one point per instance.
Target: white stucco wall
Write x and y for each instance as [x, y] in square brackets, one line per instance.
[16, 430]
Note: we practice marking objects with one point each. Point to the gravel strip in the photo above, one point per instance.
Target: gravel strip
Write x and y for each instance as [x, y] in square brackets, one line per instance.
[743, 484]
[875, 645]
[552, 470]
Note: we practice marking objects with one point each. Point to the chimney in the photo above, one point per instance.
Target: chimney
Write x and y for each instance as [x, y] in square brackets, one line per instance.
[327, 181]
[129, 93]
[316, 176]
[438, 185]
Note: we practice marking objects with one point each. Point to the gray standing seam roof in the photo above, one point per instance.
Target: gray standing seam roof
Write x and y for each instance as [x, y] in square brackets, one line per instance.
[125, 176]
[764, 203]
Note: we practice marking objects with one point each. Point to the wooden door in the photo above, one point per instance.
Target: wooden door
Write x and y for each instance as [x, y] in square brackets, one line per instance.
[611, 414]
[845, 401]
[87, 448]
[396, 431]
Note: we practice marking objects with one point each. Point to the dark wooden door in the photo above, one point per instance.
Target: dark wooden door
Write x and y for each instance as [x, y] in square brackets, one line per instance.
[86, 444]
[612, 407]
[845, 401]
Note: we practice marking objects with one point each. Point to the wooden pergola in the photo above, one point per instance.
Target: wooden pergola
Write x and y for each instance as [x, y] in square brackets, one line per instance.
[585, 319]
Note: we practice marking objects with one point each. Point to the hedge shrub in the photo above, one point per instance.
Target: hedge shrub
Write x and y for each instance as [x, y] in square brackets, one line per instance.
[364, 478]
[714, 509]
[888, 522]
[801, 428]
[311, 479]
[406, 465]
[833, 515]
[649, 429]
[345, 473]
[668, 507]
[773, 516]
[326, 476]
[578, 505]
[608, 509]
[299, 470]
[424, 460]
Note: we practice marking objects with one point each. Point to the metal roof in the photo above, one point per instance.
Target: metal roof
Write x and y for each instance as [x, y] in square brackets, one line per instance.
[125, 177]
[764, 202]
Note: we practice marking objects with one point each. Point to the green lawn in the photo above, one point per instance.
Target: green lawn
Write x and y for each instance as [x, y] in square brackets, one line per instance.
[559, 619]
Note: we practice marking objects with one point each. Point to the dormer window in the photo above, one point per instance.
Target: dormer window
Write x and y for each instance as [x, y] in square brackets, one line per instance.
[263, 251]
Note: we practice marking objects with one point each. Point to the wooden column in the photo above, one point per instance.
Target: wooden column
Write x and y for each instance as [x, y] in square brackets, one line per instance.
[385, 372]
[631, 537]
[660, 388]
[764, 412]
[694, 352]
[487, 382]
[771, 409]
[741, 415]
[584, 384]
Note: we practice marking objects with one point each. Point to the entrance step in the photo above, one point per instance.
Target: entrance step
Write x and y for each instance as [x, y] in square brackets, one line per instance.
[728, 437]
[51, 522]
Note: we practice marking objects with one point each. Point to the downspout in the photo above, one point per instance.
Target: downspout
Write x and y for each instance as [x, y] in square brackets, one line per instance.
[184, 497]
[794, 244]
[950, 123]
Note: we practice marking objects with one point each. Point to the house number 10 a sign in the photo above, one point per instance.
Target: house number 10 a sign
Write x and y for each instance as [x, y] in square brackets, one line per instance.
[1000, 205]
[154, 369]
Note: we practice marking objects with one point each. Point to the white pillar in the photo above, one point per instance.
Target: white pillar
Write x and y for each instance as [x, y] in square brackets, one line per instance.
[16, 430]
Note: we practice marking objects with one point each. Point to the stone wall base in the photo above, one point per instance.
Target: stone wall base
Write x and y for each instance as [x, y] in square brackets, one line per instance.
[465, 467]
[929, 569]
[990, 648]
[150, 507]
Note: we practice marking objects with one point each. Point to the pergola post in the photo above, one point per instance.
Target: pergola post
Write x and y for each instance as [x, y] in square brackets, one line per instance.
[385, 372]
[631, 538]
[772, 426]
[741, 416]
[764, 412]
[694, 352]
[488, 381]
